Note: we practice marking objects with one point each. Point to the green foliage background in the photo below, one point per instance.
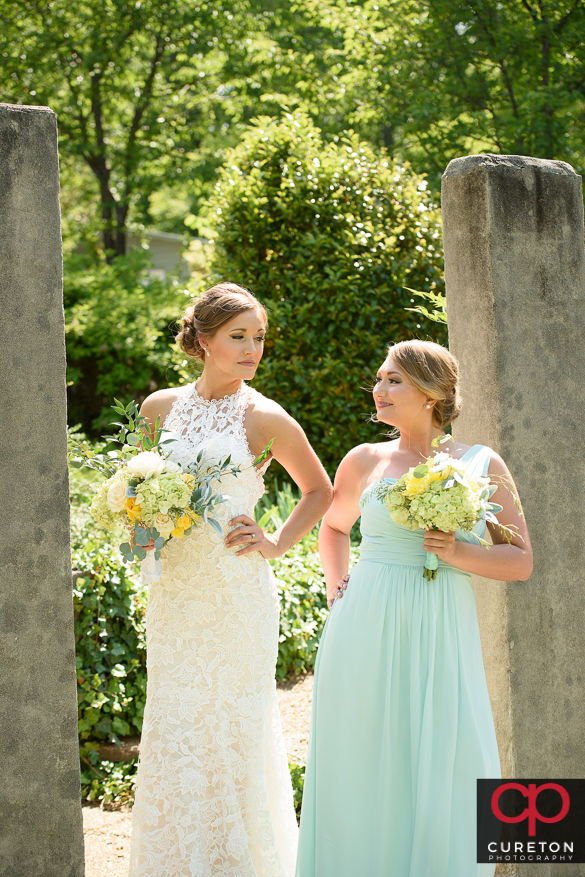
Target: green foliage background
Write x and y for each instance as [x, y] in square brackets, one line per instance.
[120, 326]
[327, 235]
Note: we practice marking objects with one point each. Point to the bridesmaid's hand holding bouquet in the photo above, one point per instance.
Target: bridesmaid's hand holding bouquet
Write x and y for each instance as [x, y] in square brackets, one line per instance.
[439, 495]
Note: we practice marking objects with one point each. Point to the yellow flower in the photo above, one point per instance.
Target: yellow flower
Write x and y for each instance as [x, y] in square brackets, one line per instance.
[415, 486]
[184, 523]
[132, 509]
[188, 479]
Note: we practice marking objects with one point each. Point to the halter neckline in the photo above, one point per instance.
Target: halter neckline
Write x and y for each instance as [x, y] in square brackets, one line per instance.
[197, 395]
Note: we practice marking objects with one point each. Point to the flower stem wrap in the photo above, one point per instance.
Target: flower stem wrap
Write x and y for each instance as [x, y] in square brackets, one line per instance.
[431, 564]
[439, 494]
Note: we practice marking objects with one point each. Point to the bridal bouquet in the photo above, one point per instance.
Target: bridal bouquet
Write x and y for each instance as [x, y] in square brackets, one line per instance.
[439, 494]
[150, 495]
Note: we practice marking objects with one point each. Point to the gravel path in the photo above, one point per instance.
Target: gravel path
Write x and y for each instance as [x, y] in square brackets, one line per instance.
[107, 833]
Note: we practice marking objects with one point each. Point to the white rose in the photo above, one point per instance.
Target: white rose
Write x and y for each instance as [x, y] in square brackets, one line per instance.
[146, 464]
[116, 497]
[171, 466]
[164, 524]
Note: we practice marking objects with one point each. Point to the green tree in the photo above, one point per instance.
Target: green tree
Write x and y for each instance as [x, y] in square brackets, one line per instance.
[150, 93]
[136, 86]
[328, 235]
[440, 78]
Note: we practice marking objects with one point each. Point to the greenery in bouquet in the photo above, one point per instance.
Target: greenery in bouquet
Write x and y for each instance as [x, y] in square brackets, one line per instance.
[439, 494]
[146, 491]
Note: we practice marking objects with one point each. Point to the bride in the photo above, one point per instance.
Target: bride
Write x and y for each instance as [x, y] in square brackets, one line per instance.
[214, 795]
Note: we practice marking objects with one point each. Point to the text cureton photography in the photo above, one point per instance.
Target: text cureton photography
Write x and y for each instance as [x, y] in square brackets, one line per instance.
[531, 820]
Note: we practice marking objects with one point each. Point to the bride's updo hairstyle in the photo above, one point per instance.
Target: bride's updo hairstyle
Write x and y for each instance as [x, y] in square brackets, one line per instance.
[211, 311]
[435, 372]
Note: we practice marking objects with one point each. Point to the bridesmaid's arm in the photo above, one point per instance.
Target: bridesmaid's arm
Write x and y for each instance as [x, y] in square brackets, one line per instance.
[350, 481]
[509, 558]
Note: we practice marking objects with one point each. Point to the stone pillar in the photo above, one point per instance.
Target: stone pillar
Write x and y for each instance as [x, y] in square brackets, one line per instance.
[515, 276]
[40, 810]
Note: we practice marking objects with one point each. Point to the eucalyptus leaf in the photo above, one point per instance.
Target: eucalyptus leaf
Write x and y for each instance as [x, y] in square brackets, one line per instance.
[133, 439]
[159, 542]
[130, 491]
[141, 536]
[264, 455]
[139, 552]
[125, 548]
[157, 555]
[215, 524]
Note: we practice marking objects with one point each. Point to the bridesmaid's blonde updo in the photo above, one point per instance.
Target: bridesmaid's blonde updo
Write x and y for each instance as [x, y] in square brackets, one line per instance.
[435, 372]
[211, 311]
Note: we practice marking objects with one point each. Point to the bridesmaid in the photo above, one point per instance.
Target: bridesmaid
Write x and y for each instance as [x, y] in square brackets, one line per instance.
[401, 724]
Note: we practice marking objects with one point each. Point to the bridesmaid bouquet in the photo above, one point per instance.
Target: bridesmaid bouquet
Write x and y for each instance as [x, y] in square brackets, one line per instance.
[150, 495]
[439, 494]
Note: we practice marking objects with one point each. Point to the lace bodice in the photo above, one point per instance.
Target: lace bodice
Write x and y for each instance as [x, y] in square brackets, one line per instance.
[217, 428]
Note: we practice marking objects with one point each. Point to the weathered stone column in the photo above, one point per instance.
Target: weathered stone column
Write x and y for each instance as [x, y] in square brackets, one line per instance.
[515, 274]
[40, 810]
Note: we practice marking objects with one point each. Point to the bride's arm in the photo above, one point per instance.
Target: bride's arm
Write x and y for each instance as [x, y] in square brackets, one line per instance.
[158, 405]
[292, 450]
[509, 558]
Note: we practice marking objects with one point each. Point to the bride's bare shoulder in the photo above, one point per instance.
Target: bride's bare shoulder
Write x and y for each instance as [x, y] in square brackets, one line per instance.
[159, 403]
[265, 410]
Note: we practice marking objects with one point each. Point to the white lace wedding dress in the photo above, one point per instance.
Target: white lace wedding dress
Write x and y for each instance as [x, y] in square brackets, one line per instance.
[214, 795]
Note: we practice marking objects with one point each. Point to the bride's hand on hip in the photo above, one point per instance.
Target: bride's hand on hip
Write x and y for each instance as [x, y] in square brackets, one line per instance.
[250, 537]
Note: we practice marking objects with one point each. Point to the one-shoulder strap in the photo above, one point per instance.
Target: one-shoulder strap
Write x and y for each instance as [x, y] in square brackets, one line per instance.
[477, 459]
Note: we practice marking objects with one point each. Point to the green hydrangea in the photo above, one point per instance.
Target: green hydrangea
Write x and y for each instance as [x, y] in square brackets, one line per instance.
[167, 491]
[100, 510]
[440, 508]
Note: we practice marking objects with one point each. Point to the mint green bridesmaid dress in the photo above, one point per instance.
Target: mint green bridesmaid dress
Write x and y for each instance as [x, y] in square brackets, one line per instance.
[401, 726]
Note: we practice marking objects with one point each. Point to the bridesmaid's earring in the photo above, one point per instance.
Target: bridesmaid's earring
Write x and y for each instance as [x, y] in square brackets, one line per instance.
[207, 354]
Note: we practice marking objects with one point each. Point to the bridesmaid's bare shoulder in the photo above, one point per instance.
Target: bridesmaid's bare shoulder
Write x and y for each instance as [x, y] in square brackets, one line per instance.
[361, 461]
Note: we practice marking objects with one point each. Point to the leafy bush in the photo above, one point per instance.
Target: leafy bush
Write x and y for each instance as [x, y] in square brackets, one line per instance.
[328, 235]
[297, 775]
[119, 334]
[112, 784]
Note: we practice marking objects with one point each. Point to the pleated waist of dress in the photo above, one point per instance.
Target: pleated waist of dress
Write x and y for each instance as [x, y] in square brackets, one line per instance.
[403, 552]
